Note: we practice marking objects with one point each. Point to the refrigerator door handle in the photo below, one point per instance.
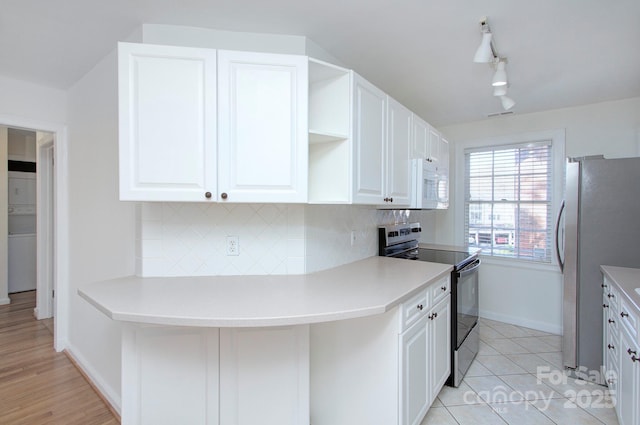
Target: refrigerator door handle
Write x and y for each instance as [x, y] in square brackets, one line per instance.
[558, 257]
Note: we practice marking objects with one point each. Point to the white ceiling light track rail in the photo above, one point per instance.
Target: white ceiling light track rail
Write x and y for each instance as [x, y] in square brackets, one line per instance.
[487, 53]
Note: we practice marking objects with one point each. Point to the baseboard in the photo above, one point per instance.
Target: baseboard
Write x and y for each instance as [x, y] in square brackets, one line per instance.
[4, 301]
[519, 321]
[105, 392]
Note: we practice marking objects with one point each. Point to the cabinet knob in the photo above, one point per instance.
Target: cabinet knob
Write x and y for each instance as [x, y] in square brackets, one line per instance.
[610, 295]
[623, 314]
[635, 359]
[435, 315]
[420, 307]
[612, 321]
[605, 305]
[630, 351]
[390, 199]
[224, 195]
[604, 285]
[611, 347]
[207, 195]
[444, 288]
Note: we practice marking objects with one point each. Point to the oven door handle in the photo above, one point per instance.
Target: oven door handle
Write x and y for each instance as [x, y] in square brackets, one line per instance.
[469, 268]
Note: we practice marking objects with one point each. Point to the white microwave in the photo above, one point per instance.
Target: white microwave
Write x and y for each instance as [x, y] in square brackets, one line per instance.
[430, 187]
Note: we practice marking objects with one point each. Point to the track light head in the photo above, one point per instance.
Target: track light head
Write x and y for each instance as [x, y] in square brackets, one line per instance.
[507, 102]
[500, 77]
[484, 53]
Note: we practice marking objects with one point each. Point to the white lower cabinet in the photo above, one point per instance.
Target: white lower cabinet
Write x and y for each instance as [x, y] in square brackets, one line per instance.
[628, 395]
[439, 346]
[621, 353]
[414, 373]
[211, 376]
[383, 369]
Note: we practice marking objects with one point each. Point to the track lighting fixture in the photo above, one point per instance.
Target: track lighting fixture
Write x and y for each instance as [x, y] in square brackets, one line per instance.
[487, 53]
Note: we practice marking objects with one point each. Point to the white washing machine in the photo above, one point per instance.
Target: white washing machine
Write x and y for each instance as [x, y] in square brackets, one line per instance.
[22, 262]
[22, 245]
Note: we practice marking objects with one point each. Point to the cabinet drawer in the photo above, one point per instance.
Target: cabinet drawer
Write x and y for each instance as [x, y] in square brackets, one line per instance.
[413, 309]
[629, 319]
[440, 289]
[611, 295]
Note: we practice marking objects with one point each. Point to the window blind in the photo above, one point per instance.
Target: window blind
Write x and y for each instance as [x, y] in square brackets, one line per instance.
[508, 200]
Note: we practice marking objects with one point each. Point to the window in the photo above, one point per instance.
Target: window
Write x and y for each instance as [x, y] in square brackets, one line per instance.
[508, 200]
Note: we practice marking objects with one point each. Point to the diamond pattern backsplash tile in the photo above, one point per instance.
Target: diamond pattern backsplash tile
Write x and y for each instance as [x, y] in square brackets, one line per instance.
[189, 239]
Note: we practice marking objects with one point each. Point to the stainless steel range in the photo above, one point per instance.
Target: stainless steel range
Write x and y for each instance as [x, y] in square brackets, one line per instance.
[401, 241]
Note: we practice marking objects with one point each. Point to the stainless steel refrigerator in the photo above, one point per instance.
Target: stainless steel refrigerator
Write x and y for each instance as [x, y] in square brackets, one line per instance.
[601, 226]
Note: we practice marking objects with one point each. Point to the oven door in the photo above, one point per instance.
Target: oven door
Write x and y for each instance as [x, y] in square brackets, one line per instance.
[467, 300]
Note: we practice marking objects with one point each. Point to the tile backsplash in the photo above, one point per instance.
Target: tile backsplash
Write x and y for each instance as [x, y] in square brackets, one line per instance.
[189, 239]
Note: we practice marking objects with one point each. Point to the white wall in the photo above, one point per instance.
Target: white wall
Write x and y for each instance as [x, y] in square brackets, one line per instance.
[525, 296]
[102, 229]
[27, 101]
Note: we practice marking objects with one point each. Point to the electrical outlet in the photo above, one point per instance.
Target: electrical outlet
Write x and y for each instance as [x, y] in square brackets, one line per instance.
[232, 245]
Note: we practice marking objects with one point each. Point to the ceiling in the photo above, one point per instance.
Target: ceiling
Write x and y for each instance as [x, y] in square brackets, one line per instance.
[561, 53]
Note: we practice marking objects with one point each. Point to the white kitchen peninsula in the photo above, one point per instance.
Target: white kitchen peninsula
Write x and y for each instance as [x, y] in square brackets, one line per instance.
[235, 349]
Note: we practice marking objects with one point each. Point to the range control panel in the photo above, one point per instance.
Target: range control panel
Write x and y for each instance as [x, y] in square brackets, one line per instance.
[398, 233]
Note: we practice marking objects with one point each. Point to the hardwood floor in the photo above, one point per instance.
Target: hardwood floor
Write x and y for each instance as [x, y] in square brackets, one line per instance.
[37, 384]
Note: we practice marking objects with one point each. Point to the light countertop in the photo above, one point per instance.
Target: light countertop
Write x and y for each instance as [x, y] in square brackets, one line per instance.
[366, 287]
[627, 280]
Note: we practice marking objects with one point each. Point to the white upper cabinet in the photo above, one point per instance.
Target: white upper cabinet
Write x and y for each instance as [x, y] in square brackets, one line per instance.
[443, 154]
[369, 134]
[420, 147]
[167, 113]
[263, 131]
[206, 125]
[398, 170]
[426, 141]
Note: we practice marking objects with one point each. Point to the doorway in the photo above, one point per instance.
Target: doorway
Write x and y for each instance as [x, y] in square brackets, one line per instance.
[31, 193]
[51, 220]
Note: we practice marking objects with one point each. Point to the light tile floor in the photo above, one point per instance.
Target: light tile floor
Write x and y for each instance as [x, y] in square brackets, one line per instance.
[516, 379]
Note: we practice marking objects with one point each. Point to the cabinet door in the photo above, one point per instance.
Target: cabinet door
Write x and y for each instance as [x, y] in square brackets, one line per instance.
[264, 376]
[420, 138]
[414, 391]
[167, 113]
[169, 375]
[263, 137]
[433, 145]
[369, 122]
[397, 170]
[439, 337]
[629, 380]
[443, 154]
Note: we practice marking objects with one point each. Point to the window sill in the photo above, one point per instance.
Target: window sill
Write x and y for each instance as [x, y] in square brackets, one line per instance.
[520, 264]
